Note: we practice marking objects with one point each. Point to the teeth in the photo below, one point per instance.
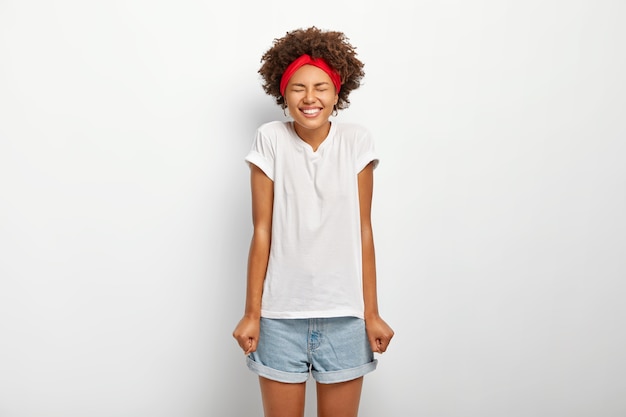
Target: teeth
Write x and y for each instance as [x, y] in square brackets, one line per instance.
[310, 111]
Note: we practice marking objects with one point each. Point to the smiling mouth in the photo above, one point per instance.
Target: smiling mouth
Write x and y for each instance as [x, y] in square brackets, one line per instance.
[311, 112]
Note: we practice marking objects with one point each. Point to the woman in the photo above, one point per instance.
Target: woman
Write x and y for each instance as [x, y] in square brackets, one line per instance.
[311, 302]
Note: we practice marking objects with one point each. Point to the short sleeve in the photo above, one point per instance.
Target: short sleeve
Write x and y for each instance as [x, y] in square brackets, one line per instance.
[365, 152]
[262, 154]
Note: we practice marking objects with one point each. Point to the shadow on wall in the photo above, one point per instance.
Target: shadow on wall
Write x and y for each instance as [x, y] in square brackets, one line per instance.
[236, 390]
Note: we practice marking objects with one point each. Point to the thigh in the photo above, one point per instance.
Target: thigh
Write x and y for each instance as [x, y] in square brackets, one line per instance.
[282, 399]
[339, 400]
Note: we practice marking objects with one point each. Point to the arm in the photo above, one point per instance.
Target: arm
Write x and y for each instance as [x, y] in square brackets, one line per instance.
[247, 331]
[379, 333]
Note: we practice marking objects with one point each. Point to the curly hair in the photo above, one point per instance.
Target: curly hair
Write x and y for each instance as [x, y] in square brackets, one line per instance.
[332, 46]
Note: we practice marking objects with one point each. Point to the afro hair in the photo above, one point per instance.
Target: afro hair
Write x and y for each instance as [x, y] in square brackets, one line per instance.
[332, 46]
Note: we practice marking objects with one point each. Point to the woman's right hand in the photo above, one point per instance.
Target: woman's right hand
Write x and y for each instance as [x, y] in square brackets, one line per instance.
[247, 334]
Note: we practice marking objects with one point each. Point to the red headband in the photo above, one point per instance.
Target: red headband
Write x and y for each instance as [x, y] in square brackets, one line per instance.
[307, 60]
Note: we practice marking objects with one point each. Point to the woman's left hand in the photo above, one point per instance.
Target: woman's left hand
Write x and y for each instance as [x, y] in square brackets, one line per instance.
[379, 333]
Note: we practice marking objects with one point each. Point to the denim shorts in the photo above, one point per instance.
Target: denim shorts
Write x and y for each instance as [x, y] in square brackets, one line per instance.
[331, 349]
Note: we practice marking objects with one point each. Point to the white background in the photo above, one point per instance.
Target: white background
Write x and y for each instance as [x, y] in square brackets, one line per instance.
[498, 213]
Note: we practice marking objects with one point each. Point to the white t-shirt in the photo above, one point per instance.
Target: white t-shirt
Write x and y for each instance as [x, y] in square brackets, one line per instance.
[314, 265]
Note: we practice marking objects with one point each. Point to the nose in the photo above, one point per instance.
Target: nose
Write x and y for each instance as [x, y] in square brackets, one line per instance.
[309, 96]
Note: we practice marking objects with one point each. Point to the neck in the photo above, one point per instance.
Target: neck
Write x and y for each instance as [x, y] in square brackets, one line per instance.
[313, 137]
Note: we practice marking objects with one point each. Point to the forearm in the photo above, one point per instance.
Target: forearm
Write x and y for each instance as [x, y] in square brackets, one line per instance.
[378, 331]
[370, 296]
[257, 267]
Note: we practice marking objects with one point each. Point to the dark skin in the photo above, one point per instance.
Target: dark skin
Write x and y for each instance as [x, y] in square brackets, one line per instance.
[332, 46]
[310, 97]
[309, 88]
[247, 331]
[287, 400]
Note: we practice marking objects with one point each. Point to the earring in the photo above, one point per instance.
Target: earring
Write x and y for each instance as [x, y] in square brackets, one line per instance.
[285, 110]
[335, 111]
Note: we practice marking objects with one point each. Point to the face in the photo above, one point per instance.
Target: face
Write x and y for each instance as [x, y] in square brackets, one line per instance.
[310, 96]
